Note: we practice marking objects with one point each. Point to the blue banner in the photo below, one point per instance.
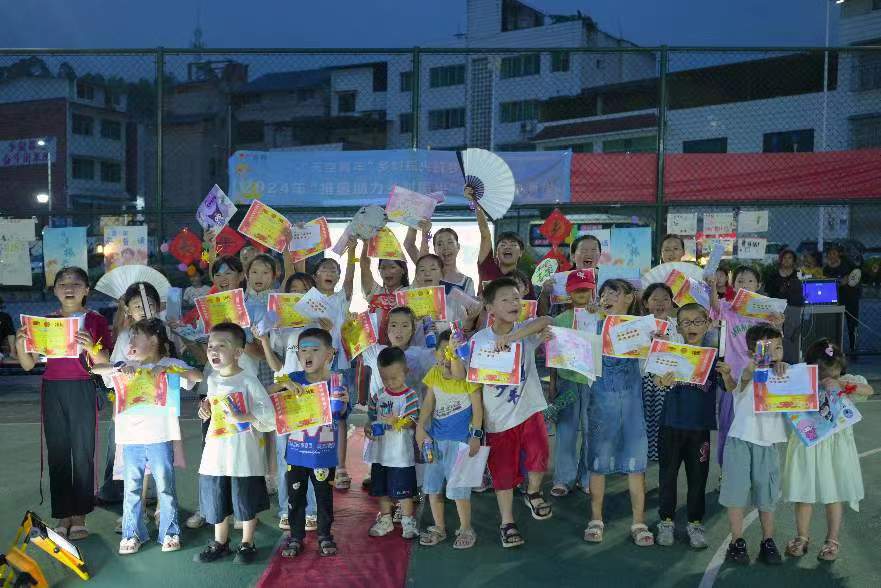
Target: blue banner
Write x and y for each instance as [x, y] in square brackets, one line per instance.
[358, 178]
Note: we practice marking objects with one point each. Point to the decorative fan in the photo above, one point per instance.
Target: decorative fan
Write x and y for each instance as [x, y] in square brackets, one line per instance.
[186, 247]
[491, 179]
[367, 221]
[659, 273]
[115, 282]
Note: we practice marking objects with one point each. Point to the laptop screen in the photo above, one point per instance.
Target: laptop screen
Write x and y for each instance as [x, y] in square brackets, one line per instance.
[820, 291]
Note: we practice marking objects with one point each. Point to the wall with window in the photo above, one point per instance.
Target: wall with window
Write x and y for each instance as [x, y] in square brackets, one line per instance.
[359, 81]
[860, 21]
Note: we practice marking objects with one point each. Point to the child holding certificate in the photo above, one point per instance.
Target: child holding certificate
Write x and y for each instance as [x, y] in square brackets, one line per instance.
[657, 299]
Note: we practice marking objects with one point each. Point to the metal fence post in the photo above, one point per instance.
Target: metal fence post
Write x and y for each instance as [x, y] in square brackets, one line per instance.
[414, 101]
[160, 107]
[662, 129]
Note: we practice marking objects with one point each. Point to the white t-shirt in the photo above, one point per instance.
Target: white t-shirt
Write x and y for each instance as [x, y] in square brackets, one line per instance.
[394, 449]
[505, 407]
[240, 455]
[419, 361]
[284, 343]
[764, 428]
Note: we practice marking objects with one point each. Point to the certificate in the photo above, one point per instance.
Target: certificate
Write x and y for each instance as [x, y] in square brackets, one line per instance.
[221, 406]
[795, 391]
[309, 238]
[408, 208]
[52, 336]
[384, 245]
[431, 301]
[528, 310]
[752, 305]
[315, 305]
[499, 368]
[630, 336]
[223, 307]
[687, 290]
[143, 392]
[689, 363]
[284, 306]
[358, 334]
[265, 226]
[295, 412]
[570, 349]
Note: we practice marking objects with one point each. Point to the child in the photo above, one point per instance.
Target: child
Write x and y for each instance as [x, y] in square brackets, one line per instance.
[69, 406]
[147, 437]
[311, 454]
[672, 248]
[231, 475]
[617, 441]
[429, 271]
[689, 416]
[586, 251]
[393, 413]
[829, 472]
[509, 250]
[196, 289]
[723, 289]
[451, 414]
[261, 275]
[751, 467]
[569, 407]
[514, 424]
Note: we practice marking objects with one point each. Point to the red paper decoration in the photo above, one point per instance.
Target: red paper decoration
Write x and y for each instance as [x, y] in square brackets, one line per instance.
[229, 242]
[186, 247]
[563, 263]
[556, 227]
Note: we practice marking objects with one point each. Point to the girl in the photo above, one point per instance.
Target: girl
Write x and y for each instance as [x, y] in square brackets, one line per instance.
[657, 299]
[829, 472]
[261, 277]
[446, 247]
[617, 439]
[147, 437]
[393, 273]
[429, 271]
[723, 288]
[69, 405]
[196, 288]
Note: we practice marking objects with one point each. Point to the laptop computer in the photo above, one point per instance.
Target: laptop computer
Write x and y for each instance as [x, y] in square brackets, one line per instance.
[820, 291]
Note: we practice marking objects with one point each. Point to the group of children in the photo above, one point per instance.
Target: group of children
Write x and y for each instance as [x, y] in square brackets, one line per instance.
[416, 393]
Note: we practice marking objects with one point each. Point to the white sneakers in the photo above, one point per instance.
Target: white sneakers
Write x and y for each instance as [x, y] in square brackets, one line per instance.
[409, 530]
[129, 546]
[196, 521]
[382, 527]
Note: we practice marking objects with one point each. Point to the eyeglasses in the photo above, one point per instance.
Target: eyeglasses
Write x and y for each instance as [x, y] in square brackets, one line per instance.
[694, 323]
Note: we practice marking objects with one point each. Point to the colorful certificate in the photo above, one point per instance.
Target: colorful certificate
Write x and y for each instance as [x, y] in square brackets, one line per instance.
[284, 306]
[124, 246]
[689, 363]
[583, 320]
[382, 302]
[795, 391]
[408, 207]
[142, 392]
[752, 305]
[570, 349]
[216, 209]
[358, 335]
[836, 413]
[424, 302]
[295, 412]
[265, 226]
[528, 310]
[52, 337]
[221, 406]
[630, 336]
[309, 238]
[385, 245]
[223, 307]
[499, 368]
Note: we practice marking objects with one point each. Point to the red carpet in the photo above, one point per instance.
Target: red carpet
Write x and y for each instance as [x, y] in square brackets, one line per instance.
[374, 562]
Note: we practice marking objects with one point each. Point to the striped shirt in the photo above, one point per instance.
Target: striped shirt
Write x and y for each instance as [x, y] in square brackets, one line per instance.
[394, 449]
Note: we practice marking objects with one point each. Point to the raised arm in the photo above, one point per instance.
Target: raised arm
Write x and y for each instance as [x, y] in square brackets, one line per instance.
[367, 281]
[410, 245]
[486, 238]
[349, 277]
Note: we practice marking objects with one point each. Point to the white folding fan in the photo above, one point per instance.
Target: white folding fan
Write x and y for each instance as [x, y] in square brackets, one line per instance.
[491, 179]
[659, 273]
[115, 282]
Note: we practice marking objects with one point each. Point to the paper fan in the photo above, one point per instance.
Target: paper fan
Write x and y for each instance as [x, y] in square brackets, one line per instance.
[491, 179]
[115, 282]
[659, 273]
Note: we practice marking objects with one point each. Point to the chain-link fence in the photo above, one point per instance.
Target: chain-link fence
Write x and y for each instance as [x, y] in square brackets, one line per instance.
[92, 139]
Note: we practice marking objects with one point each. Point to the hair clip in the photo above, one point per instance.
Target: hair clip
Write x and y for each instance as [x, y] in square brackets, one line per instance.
[829, 350]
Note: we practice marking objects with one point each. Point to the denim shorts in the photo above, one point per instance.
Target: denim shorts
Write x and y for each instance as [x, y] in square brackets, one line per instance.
[221, 496]
[436, 472]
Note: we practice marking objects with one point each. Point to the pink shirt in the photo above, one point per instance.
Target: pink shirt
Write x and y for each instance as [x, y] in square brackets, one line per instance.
[68, 368]
[737, 355]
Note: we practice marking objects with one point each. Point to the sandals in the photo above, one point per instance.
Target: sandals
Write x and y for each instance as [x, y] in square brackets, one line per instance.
[829, 551]
[540, 511]
[465, 539]
[594, 532]
[510, 535]
[559, 490]
[342, 480]
[293, 548]
[326, 547]
[797, 547]
[641, 535]
[78, 532]
[432, 536]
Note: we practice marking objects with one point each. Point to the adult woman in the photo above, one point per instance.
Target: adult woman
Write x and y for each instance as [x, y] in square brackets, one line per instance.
[849, 288]
[783, 283]
[446, 246]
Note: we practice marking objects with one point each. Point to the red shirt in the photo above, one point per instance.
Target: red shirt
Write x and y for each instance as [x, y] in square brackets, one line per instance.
[488, 270]
[69, 368]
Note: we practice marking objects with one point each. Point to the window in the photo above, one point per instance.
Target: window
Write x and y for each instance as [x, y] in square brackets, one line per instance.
[82, 125]
[406, 81]
[515, 147]
[560, 61]
[111, 172]
[83, 169]
[521, 65]
[789, 142]
[581, 147]
[250, 131]
[866, 132]
[305, 94]
[405, 121]
[647, 144]
[516, 16]
[85, 91]
[447, 75]
[111, 129]
[450, 118]
[345, 102]
[718, 145]
[112, 98]
[868, 72]
[518, 111]
[380, 77]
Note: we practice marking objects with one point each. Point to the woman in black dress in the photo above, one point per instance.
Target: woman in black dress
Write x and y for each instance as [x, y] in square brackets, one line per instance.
[850, 290]
[783, 283]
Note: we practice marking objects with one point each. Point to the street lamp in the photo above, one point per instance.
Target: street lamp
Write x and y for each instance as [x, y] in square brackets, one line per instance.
[42, 198]
[45, 144]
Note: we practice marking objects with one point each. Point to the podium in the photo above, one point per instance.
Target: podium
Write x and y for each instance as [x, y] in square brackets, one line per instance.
[822, 320]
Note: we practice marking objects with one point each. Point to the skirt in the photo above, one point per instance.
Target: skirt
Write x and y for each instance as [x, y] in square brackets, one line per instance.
[826, 473]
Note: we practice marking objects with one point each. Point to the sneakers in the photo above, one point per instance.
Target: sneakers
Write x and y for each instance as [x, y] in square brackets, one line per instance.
[737, 552]
[212, 552]
[409, 530]
[396, 518]
[129, 546]
[666, 531]
[382, 527]
[284, 524]
[196, 521]
[769, 554]
[171, 543]
[246, 554]
[311, 522]
[696, 539]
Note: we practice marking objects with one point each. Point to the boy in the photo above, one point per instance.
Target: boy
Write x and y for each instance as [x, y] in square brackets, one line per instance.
[311, 454]
[451, 414]
[393, 412]
[231, 475]
[688, 416]
[752, 465]
[672, 248]
[512, 413]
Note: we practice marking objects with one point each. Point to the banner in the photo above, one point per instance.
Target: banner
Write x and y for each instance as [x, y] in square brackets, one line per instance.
[265, 226]
[632, 247]
[690, 364]
[124, 246]
[360, 178]
[358, 334]
[64, 248]
[283, 305]
[309, 238]
[295, 412]
[15, 262]
[17, 152]
[795, 391]
[223, 307]
[52, 336]
[424, 302]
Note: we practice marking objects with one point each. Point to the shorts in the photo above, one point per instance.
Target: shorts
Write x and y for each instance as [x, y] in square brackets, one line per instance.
[750, 473]
[527, 442]
[436, 472]
[396, 483]
[221, 496]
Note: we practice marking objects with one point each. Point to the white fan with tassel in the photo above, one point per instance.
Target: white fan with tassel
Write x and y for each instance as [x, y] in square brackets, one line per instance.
[491, 179]
[115, 282]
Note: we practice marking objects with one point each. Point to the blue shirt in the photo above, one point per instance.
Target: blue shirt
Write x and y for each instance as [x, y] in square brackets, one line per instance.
[316, 447]
[691, 406]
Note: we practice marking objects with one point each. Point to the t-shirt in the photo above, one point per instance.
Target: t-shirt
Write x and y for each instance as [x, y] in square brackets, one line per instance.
[691, 406]
[133, 428]
[419, 361]
[764, 428]
[505, 407]
[451, 419]
[315, 447]
[394, 449]
[565, 319]
[737, 354]
[242, 454]
[788, 288]
[74, 368]
[488, 270]
[466, 285]
[191, 293]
